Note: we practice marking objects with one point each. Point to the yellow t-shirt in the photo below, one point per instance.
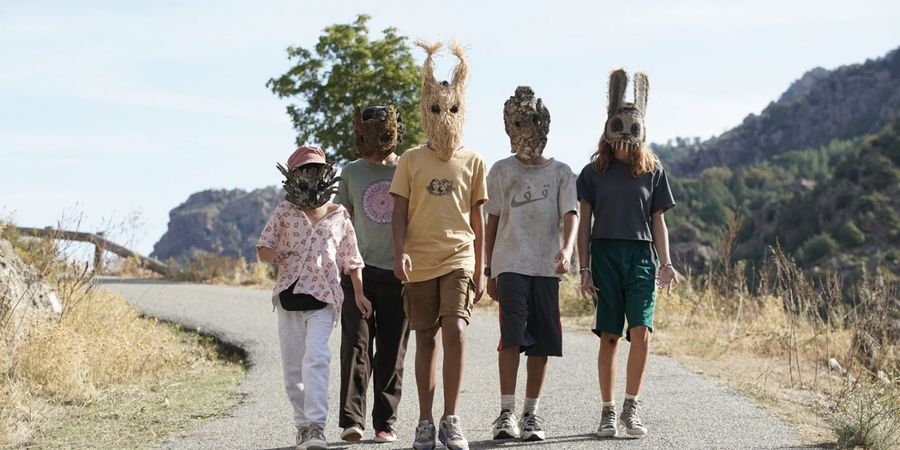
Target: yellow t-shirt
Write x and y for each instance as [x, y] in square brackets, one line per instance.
[439, 238]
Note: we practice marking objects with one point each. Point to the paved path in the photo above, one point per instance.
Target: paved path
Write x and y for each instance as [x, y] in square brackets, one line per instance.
[682, 409]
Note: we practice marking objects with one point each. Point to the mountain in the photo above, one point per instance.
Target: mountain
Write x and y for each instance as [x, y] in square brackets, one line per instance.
[224, 222]
[821, 106]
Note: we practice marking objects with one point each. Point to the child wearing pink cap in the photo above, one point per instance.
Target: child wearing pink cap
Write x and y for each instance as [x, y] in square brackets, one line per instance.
[313, 242]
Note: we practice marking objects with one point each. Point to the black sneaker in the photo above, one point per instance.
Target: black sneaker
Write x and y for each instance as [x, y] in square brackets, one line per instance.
[531, 427]
[505, 427]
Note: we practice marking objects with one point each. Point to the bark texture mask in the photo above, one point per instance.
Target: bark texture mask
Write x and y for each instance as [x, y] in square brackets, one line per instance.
[443, 104]
[527, 123]
[625, 120]
[309, 186]
[378, 130]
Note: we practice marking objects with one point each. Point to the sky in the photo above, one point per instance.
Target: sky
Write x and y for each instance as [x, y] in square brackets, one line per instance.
[111, 111]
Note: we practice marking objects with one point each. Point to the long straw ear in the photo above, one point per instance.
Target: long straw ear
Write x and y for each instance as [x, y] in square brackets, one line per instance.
[461, 71]
[618, 81]
[428, 67]
[641, 91]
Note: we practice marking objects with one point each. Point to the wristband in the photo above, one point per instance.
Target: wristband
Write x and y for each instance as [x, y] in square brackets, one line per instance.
[668, 265]
[584, 269]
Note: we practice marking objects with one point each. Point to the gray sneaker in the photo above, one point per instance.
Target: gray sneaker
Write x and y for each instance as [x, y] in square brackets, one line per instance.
[451, 434]
[314, 439]
[505, 426]
[424, 436]
[301, 436]
[607, 426]
[531, 427]
[630, 419]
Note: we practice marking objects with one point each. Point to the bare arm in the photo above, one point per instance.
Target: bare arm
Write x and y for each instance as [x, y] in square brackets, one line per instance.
[585, 211]
[667, 274]
[564, 257]
[365, 307]
[490, 238]
[402, 262]
[268, 255]
[476, 219]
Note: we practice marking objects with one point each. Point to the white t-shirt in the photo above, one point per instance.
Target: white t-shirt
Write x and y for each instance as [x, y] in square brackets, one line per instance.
[530, 202]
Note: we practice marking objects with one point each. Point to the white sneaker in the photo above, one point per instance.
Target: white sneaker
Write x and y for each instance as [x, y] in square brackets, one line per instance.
[531, 427]
[424, 436]
[505, 427]
[315, 439]
[451, 434]
[630, 419]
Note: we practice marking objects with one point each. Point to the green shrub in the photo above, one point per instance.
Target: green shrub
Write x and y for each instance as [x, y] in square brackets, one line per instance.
[849, 235]
[818, 247]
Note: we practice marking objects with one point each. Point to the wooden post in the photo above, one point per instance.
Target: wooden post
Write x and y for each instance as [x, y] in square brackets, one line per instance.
[98, 254]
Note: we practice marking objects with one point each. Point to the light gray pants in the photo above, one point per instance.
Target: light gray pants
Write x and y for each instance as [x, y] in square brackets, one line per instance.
[305, 357]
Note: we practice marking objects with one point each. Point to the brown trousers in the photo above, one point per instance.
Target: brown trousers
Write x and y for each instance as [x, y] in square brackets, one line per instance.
[373, 347]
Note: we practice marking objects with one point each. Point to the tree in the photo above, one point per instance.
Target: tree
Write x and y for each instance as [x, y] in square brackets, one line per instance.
[346, 70]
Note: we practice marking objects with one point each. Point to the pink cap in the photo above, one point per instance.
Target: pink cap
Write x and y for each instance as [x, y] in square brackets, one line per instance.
[306, 154]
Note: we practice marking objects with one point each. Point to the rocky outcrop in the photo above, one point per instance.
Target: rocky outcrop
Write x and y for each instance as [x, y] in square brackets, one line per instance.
[846, 102]
[224, 222]
[24, 296]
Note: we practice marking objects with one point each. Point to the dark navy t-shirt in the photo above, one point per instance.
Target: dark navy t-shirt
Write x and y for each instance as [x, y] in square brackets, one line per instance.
[622, 204]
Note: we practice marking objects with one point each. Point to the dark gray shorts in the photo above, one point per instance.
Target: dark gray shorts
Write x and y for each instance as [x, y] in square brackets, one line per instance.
[529, 314]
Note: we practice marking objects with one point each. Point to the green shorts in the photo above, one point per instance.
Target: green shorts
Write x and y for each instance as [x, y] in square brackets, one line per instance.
[624, 273]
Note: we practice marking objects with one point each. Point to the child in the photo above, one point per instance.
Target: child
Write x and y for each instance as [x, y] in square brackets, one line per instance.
[530, 195]
[438, 191]
[312, 241]
[626, 191]
[364, 192]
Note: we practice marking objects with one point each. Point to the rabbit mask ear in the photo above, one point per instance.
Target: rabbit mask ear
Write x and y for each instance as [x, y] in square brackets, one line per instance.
[443, 104]
[527, 122]
[378, 131]
[625, 120]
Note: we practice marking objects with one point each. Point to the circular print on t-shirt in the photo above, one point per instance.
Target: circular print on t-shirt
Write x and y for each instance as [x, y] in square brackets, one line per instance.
[378, 204]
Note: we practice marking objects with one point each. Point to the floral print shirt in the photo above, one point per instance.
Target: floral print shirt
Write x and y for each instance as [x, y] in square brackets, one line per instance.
[313, 255]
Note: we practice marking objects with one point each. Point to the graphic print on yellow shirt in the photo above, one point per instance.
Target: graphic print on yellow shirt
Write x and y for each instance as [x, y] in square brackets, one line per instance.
[439, 237]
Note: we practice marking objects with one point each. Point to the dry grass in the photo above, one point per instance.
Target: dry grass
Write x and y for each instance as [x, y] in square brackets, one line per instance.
[100, 375]
[218, 269]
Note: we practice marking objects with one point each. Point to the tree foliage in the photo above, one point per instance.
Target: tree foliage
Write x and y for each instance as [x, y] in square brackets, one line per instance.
[345, 70]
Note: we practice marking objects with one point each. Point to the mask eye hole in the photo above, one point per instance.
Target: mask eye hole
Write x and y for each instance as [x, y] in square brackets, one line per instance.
[435, 108]
[385, 137]
[454, 109]
[617, 124]
[517, 124]
[636, 129]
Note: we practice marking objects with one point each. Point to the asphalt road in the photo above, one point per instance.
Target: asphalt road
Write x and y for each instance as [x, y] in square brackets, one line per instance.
[682, 410]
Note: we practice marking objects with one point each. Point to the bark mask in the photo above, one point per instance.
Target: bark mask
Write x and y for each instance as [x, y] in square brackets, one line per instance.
[443, 103]
[527, 123]
[309, 186]
[625, 120]
[378, 130]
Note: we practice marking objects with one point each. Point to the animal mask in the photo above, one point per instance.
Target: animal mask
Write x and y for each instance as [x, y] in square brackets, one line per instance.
[378, 130]
[309, 186]
[527, 123]
[625, 120]
[443, 104]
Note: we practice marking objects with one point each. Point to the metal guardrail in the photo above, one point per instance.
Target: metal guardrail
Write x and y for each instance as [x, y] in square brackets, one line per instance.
[101, 244]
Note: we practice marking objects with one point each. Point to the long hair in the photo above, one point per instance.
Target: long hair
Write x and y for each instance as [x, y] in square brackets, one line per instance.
[642, 160]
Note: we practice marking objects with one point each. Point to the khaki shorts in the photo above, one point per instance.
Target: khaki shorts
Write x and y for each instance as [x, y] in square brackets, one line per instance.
[450, 295]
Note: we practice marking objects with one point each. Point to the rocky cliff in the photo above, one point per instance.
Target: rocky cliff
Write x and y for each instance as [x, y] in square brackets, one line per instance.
[224, 222]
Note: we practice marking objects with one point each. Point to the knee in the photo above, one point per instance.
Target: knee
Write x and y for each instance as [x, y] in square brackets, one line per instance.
[609, 339]
[426, 339]
[639, 334]
[453, 330]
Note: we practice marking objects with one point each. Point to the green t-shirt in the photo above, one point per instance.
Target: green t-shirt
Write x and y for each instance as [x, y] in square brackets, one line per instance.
[365, 191]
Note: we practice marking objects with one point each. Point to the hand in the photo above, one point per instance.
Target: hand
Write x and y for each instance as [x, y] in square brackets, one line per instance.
[492, 289]
[563, 260]
[402, 267]
[587, 285]
[666, 277]
[364, 305]
[478, 279]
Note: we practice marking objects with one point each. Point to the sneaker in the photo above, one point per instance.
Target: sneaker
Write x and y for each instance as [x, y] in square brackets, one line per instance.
[607, 426]
[301, 436]
[352, 433]
[451, 434]
[314, 439]
[505, 427]
[424, 436]
[531, 427]
[387, 435]
[630, 419]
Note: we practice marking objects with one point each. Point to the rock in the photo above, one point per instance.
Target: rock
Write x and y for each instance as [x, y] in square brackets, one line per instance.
[24, 296]
[223, 222]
